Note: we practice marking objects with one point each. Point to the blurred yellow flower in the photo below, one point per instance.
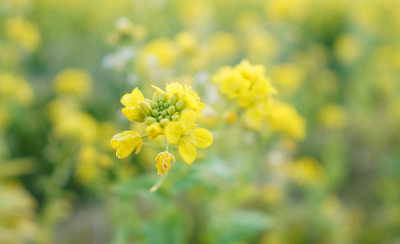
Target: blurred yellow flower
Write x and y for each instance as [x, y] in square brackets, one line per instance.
[86, 169]
[332, 116]
[125, 143]
[163, 162]
[287, 76]
[307, 170]
[229, 116]
[23, 32]
[184, 135]
[154, 130]
[14, 87]
[159, 52]
[347, 48]
[73, 81]
[285, 119]
[186, 41]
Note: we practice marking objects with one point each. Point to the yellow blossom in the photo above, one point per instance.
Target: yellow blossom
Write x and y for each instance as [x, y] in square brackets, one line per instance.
[23, 32]
[184, 135]
[125, 143]
[163, 162]
[154, 130]
[159, 52]
[73, 81]
[284, 118]
[332, 116]
[133, 114]
[186, 41]
[229, 116]
[250, 72]
[234, 85]
[132, 99]
[15, 87]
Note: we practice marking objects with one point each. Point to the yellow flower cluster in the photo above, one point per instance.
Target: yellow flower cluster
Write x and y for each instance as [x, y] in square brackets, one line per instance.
[170, 113]
[248, 85]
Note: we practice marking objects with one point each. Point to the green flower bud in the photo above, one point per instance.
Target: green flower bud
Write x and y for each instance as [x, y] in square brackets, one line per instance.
[162, 97]
[166, 105]
[154, 105]
[173, 99]
[145, 108]
[148, 101]
[158, 109]
[155, 96]
[159, 118]
[175, 117]
[168, 117]
[154, 113]
[163, 113]
[163, 122]
[139, 120]
[180, 105]
[150, 120]
[171, 110]
[161, 105]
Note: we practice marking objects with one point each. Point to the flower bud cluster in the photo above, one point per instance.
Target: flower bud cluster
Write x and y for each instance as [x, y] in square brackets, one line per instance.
[162, 110]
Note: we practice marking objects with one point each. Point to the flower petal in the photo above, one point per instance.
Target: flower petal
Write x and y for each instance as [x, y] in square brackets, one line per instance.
[187, 151]
[139, 147]
[190, 101]
[202, 138]
[158, 89]
[188, 117]
[174, 88]
[173, 132]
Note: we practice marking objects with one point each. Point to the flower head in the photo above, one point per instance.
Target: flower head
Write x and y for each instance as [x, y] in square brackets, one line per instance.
[163, 162]
[125, 143]
[184, 134]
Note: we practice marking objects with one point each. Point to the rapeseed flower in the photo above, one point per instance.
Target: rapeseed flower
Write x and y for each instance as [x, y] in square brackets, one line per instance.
[171, 113]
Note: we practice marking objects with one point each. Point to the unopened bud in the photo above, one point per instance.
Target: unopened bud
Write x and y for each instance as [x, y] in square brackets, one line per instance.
[145, 108]
[150, 120]
[154, 105]
[159, 118]
[173, 99]
[162, 97]
[175, 117]
[180, 105]
[171, 110]
[155, 96]
[163, 113]
[154, 113]
[168, 117]
[163, 122]
[139, 120]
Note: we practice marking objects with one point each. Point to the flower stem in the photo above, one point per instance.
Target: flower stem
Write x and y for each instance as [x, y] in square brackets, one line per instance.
[158, 184]
[144, 136]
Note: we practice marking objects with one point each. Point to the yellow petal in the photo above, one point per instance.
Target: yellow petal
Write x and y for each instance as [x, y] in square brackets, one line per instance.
[138, 94]
[187, 151]
[139, 147]
[202, 137]
[190, 101]
[200, 106]
[173, 132]
[174, 88]
[158, 89]
[188, 117]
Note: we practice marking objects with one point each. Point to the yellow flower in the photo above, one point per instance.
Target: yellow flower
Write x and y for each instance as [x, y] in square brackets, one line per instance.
[184, 135]
[223, 73]
[133, 114]
[132, 99]
[229, 116]
[284, 118]
[332, 116]
[163, 162]
[186, 41]
[250, 72]
[23, 32]
[73, 81]
[125, 143]
[159, 52]
[234, 85]
[154, 130]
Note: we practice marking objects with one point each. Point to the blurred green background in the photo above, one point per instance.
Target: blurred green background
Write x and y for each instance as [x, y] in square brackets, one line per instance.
[64, 66]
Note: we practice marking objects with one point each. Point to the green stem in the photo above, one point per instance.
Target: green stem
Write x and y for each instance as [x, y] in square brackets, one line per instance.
[144, 136]
[166, 145]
